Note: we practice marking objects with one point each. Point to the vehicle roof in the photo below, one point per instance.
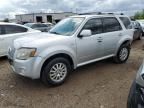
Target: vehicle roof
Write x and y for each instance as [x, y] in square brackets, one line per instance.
[141, 20]
[101, 15]
[35, 23]
[7, 23]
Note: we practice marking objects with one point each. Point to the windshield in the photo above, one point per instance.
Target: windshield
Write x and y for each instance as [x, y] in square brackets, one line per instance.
[67, 26]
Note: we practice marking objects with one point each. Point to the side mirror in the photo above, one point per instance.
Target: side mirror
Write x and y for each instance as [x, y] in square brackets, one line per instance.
[85, 33]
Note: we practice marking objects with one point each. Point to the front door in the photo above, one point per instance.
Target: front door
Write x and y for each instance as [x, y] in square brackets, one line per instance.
[89, 48]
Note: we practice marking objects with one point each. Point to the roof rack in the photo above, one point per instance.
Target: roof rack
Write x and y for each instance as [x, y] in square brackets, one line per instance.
[101, 13]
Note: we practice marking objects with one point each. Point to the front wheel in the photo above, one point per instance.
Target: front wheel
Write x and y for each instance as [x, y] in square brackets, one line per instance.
[122, 54]
[56, 71]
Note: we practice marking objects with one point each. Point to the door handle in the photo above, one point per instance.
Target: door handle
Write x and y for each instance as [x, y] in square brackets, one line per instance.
[99, 39]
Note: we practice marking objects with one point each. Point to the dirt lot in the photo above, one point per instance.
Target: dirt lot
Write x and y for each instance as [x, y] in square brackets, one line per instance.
[98, 85]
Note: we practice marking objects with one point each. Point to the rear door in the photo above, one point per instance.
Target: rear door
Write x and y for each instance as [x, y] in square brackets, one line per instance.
[112, 32]
[128, 26]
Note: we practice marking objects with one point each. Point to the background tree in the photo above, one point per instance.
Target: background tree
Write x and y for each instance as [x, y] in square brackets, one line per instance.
[139, 15]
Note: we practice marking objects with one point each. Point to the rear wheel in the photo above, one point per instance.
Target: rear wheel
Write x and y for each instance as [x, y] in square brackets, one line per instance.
[56, 71]
[122, 54]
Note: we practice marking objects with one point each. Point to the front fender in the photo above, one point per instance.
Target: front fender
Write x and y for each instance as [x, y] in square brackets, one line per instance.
[51, 51]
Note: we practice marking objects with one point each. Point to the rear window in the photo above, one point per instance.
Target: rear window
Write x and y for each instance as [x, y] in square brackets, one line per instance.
[126, 22]
[111, 24]
[43, 25]
[39, 25]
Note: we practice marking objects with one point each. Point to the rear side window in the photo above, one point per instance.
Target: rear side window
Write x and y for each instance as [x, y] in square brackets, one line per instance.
[111, 24]
[95, 25]
[126, 22]
[10, 29]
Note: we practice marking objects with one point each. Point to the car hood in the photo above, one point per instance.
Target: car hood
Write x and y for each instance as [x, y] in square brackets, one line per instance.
[36, 39]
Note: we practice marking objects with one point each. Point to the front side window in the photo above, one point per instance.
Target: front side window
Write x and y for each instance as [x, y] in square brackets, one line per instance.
[67, 26]
[126, 22]
[10, 29]
[95, 25]
[111, 24]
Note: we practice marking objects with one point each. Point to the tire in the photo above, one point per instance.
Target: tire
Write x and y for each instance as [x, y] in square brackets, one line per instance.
[140, 37]
[132, 98]
[56, 71]
[121, 56]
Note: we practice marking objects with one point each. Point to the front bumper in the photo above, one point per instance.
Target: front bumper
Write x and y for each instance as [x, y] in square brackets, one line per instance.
[136, 96]
[29, 68]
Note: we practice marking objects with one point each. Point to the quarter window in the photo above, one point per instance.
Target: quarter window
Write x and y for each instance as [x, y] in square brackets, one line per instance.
[111, 24]
[95, 25]
[10, 29]
[126, 22]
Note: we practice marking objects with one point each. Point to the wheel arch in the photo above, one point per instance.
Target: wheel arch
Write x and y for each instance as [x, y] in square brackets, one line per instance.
[127, 41]
[66, 56]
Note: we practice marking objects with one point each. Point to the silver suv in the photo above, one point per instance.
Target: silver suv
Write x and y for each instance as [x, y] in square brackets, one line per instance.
[73, 42]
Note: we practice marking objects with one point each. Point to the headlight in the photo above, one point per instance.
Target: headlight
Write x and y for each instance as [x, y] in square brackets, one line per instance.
[25, 53]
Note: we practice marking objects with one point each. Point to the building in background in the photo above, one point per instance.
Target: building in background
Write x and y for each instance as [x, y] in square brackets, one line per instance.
[42, 17]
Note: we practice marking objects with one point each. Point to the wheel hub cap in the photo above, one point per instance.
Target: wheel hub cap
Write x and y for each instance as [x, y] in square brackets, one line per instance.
[123, 54]
[58, 72]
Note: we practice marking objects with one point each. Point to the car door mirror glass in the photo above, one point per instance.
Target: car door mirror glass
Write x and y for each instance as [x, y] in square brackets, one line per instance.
[85, 33]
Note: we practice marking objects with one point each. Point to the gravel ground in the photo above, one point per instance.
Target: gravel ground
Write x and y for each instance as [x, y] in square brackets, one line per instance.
[99, 85]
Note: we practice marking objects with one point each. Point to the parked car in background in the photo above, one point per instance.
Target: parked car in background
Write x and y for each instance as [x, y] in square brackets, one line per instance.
[39, 26]
[9, 32]
[137, 30]
[49, 24]
[142, 25]
[73, 42]
[136, 94]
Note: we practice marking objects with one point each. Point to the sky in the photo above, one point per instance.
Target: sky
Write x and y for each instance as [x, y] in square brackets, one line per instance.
[9, 8]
